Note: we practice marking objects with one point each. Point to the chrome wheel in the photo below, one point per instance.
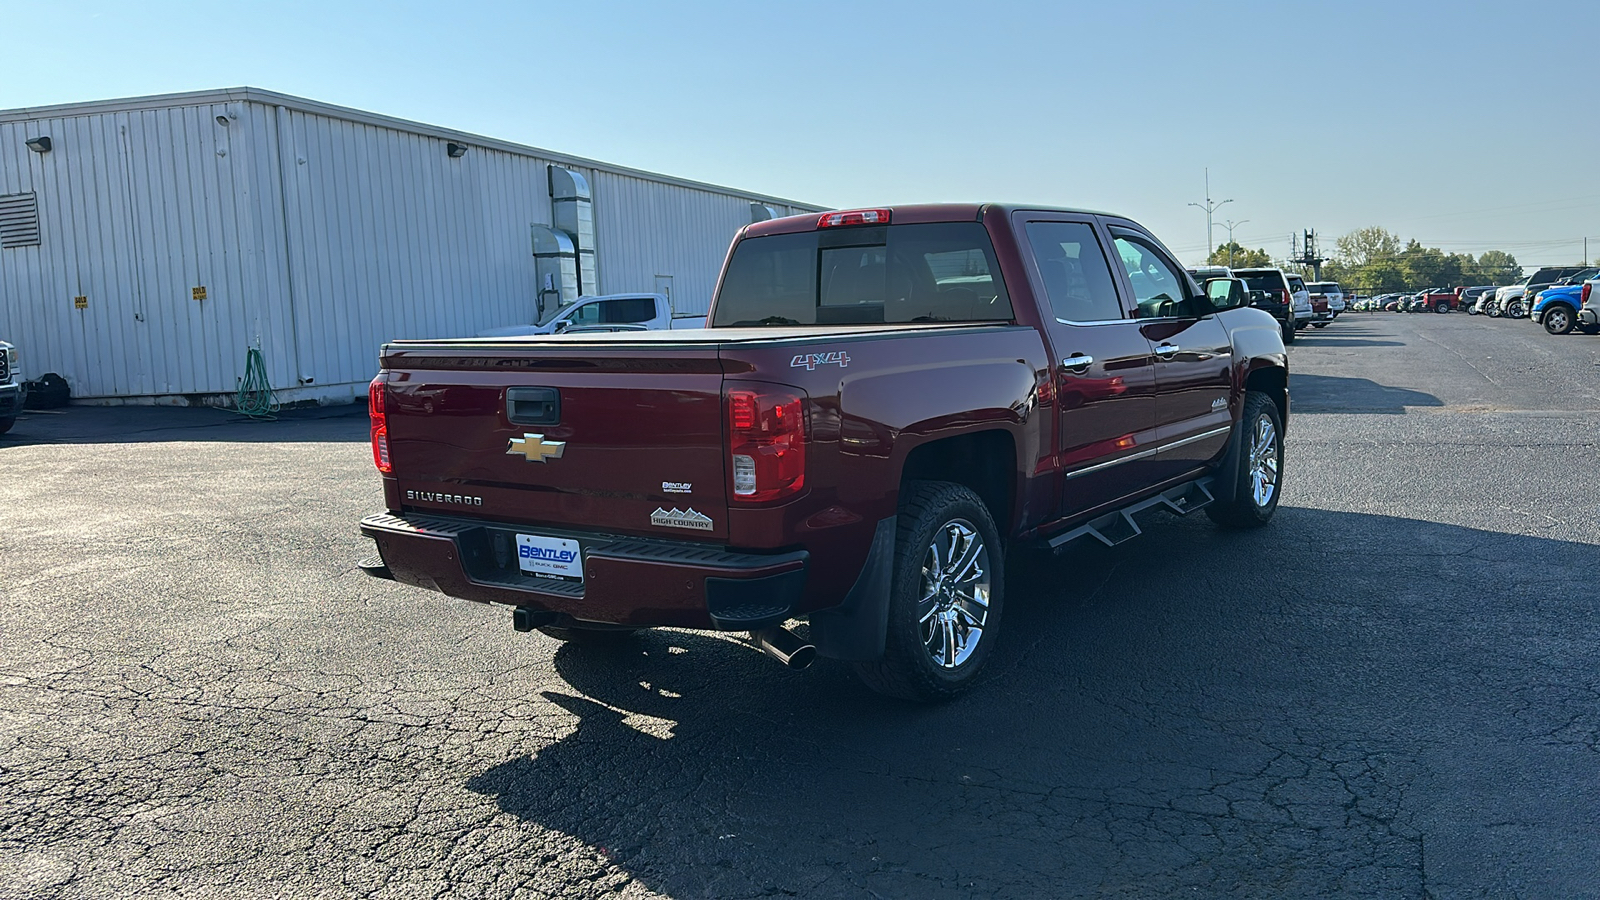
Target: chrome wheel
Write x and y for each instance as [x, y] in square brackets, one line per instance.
[955, 593]
[1263, 462]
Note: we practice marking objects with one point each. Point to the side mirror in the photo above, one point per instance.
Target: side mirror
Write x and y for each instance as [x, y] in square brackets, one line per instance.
[1226, 293]
[563, 325]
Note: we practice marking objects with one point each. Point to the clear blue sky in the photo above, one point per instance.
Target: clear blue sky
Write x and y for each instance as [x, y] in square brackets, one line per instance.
[1466, 125]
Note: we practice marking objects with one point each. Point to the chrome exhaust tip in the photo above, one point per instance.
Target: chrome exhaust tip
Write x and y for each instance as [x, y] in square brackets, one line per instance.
[784, 646]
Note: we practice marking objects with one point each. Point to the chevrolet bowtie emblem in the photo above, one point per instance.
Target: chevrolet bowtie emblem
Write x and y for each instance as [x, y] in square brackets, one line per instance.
[536, 448]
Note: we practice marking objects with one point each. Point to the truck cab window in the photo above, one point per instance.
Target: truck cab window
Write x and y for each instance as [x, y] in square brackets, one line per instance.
[630, 310]
[1076, 276]
[935, 272]
[1158, 290]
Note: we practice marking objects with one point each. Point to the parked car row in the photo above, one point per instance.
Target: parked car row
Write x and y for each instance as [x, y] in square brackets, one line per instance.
[1561, 298]
[1287, 297]
[1518, 300]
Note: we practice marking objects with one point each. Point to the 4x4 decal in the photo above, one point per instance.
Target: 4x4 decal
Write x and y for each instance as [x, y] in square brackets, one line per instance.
[810, 361]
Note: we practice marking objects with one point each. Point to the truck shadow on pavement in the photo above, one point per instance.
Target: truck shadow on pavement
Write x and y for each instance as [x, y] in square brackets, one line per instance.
[1341, 394]
[1162, 717]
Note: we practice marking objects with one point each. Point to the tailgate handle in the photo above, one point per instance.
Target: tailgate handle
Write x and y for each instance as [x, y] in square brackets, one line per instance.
[533, 406]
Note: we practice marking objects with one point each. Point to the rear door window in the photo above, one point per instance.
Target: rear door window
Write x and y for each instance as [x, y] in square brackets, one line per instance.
[940, 272]
[1076, 276]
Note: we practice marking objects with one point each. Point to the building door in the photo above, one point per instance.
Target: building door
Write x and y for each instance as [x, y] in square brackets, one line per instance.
[664, 288]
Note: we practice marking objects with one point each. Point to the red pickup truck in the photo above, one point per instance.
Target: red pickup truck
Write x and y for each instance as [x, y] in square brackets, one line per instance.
[886, 402]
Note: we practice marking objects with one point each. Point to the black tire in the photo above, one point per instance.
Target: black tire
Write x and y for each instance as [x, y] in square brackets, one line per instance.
[1288, 332]
[589, 637]
[909, 669]
[1589, 329]
[5, 424]
[1246, 509]
[1559, 319]
[1441, 307]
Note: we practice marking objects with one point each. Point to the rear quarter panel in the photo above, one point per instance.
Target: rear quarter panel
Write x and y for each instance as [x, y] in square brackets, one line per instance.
[895, 393]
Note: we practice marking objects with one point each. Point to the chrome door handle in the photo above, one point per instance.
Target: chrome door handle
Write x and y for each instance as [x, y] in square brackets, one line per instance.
[1167, 351]
[1078, 362]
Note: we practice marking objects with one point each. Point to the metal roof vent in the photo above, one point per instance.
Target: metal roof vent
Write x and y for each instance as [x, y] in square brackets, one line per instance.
[19, 220]
[761, 212]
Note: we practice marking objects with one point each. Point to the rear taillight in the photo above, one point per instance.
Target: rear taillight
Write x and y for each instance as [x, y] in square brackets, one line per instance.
[853, 217]
[1583, 295]
[376, 408]
[766, 441]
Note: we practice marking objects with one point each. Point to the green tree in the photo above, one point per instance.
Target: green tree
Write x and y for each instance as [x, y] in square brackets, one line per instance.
[1237, 257]
[1366, 245]
[1426, 267]
[1497, 267]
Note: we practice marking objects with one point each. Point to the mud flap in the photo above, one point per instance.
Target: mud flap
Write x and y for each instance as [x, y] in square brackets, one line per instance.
[1225, 487]
[856, 629]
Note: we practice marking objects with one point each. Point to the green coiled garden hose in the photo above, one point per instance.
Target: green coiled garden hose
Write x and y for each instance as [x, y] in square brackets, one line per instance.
[256, 398]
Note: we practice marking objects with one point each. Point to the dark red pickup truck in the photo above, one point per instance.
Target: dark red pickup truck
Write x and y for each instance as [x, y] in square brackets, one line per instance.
[885, 403]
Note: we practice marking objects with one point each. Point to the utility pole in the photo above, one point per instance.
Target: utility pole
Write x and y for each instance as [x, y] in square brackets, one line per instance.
[1210, 208]
[1231, 225]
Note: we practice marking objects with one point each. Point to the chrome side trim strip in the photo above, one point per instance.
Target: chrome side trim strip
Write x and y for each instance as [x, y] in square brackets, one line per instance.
[1115, 462]
[1197, 437]
[1145, 454]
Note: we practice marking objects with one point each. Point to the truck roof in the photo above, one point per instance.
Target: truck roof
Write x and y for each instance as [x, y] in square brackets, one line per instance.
[911, 214]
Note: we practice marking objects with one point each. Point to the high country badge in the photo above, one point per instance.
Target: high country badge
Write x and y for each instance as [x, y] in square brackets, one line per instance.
[681, 518]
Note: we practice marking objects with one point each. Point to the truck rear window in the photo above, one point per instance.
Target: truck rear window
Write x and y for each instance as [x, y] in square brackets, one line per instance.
[944, 272]
[1272, 282]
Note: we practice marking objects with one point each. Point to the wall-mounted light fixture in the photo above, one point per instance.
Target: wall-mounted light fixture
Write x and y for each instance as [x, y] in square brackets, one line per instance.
[40, 144]
[454, 150]
[223, 121]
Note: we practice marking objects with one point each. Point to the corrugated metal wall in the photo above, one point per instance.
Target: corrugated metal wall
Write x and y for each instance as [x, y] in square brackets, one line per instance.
[316, 238]
[391, 238]
[137, 209]
[645, 229]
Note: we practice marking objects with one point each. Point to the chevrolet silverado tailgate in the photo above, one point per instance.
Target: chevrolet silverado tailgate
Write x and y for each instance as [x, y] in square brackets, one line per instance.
[613, 439]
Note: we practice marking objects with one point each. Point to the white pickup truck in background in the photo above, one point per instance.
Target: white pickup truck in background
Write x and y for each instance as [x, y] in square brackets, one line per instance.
[610, 312]
[1589, 315]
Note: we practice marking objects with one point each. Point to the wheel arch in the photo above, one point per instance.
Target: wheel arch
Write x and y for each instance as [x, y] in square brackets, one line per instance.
[1273, 380]
[985, 461]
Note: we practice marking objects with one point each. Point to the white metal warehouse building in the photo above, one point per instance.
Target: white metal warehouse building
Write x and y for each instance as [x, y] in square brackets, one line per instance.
[147, 244]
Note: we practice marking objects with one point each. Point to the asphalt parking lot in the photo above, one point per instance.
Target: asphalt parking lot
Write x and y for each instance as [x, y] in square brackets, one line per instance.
[1393, 691]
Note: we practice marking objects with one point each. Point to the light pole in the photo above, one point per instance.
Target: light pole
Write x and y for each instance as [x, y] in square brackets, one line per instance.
[1231, 225]
[1210, 208]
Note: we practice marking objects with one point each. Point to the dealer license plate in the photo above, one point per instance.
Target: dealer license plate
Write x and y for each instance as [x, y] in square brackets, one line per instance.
[550, 557]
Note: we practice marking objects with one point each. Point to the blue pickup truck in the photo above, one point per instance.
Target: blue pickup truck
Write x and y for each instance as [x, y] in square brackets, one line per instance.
[1557, 309]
